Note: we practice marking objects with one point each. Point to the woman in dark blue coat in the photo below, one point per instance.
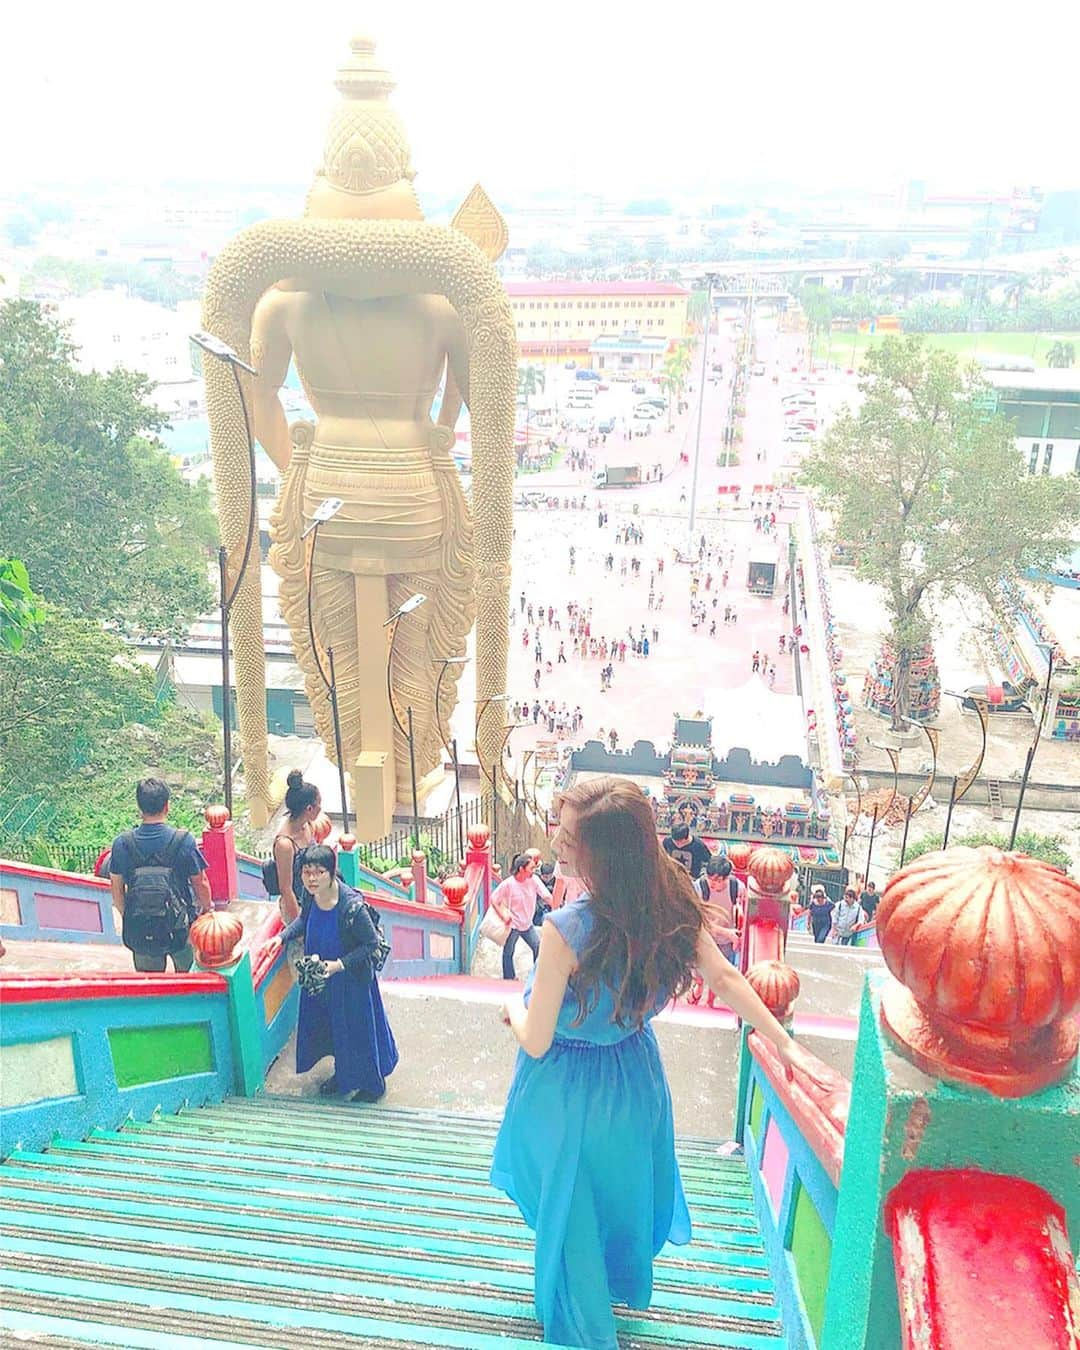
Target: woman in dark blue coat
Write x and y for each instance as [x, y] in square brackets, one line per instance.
[346, 1019]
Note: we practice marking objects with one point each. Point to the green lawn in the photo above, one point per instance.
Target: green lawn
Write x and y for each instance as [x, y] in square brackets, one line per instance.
[1031, 346]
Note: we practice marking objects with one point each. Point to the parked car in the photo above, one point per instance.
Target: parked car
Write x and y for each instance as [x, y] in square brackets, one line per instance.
[656, 403]
[570, 365]
[646, 412]
[799, 434]
[640, 388]
[606, 427]
[799, 396]
[602, 388]
[586, 375]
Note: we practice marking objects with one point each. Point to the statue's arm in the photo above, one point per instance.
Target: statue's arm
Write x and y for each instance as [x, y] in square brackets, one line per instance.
[457, 375]
[271, 352]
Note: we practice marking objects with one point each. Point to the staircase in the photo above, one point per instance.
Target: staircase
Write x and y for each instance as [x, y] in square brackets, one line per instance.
[993, 796]
[287, 1222]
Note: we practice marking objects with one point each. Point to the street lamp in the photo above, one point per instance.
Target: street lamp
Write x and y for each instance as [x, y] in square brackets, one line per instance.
[214, 346]
[391, 625]
[700, 409]
[326, 510]
[451, 743]
[1049, 650]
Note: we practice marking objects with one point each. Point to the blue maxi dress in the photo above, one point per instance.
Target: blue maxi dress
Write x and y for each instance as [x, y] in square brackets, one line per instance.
[586, 1150]
[346, 1020]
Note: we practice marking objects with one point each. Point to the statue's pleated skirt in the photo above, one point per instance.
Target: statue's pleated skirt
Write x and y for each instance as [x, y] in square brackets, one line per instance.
[392, 519]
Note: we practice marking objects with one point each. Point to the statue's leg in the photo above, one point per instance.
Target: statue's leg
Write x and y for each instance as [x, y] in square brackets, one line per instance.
[349, 613]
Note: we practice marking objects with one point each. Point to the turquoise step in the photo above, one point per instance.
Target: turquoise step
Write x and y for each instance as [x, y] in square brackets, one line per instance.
[283, 1222]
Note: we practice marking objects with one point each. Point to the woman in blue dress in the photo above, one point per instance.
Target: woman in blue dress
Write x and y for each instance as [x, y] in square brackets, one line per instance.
[587, 1145]
[346, 1019]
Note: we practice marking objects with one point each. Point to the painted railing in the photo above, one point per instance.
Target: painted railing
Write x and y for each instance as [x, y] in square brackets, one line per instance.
[80, 1051]
[792, 1135]
[1016, 1286]
[898, 1209]
[41, 904]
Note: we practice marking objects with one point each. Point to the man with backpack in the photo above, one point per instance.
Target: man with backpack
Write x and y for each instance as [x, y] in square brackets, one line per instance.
[159, 883]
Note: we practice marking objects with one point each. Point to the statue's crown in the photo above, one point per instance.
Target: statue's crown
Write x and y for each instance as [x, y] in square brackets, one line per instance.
[366, 147]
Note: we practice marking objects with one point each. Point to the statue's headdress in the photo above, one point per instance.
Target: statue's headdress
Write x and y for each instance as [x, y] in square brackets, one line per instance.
[367, 165]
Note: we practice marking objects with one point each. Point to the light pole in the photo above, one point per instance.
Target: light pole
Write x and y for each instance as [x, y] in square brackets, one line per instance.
[214, 346]
[1046, 647]
[700, 410]
[326, 510]
[451, 743]
[391, 625]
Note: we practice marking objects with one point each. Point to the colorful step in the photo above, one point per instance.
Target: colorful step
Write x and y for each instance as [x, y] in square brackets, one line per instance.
[287, 1221]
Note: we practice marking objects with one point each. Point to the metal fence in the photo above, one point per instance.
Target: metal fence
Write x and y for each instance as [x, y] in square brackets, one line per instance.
[441, 837]
[78, 858]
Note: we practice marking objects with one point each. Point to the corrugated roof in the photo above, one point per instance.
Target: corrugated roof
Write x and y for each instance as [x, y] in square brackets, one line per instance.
[526, 288]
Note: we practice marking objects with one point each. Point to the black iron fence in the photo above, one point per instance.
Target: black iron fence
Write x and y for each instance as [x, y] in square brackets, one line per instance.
[63, 857]
[443, 838]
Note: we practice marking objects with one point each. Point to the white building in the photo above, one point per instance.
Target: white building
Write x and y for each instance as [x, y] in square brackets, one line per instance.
[1044, 406]
[111, 328]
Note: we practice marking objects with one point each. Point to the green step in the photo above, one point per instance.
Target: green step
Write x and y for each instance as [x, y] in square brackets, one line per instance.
[285, 1222]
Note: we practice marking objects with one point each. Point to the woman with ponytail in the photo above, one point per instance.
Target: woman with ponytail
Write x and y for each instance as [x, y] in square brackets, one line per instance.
[303, 804]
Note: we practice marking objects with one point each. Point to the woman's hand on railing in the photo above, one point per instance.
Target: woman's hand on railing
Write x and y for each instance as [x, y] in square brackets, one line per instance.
[795, 1056]
[272, 947]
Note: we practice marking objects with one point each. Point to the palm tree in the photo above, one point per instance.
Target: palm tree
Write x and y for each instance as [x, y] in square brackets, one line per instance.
[1061, 355]
[1016, 289]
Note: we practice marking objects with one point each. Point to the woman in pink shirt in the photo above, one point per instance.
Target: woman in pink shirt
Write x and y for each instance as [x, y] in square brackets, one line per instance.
[515, 900]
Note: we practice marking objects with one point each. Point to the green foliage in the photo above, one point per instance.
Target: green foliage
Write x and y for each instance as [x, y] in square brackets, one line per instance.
[159, 283]
[80, 721]
[96, 510]
[1048, 847]
[930, 493]
[20, 611]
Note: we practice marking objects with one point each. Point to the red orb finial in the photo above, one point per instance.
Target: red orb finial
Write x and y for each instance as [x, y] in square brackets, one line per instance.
[320, 828]
[985, 946]
[215, 936]
[771, 869]
[740, 855]
[346, 843]
[455, 890]
[216, 816]
[777, 985]
[479, 836]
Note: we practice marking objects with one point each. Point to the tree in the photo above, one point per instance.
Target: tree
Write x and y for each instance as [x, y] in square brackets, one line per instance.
[20, 608]
[1017, 289]
[95, 508]
[819, 307]
[81, 720]
[1061, 355]
[1049, 847]
[928, 488]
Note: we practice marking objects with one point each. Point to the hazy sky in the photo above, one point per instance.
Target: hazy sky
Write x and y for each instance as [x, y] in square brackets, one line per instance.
[618, 96]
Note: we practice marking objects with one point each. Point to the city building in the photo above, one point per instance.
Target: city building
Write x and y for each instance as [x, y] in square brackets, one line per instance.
[562, 320]
[111, 328]
[1044, 406]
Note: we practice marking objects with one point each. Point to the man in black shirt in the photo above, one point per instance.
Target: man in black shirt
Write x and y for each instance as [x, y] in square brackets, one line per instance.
[687, 849]
[869, 900]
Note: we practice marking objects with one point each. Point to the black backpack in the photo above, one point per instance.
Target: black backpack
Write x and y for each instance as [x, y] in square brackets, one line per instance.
[269, 867]
[156, 910]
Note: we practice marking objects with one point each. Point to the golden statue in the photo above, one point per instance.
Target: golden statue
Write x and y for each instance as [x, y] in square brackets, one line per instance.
[378, 309]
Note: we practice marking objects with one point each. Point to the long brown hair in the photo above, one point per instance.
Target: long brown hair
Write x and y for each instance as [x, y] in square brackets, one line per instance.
[647, 916]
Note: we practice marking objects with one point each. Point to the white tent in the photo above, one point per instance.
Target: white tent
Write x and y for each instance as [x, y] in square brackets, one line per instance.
[756, 718]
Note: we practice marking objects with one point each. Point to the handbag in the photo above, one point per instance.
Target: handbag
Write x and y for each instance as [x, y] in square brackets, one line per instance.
[494, 928]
